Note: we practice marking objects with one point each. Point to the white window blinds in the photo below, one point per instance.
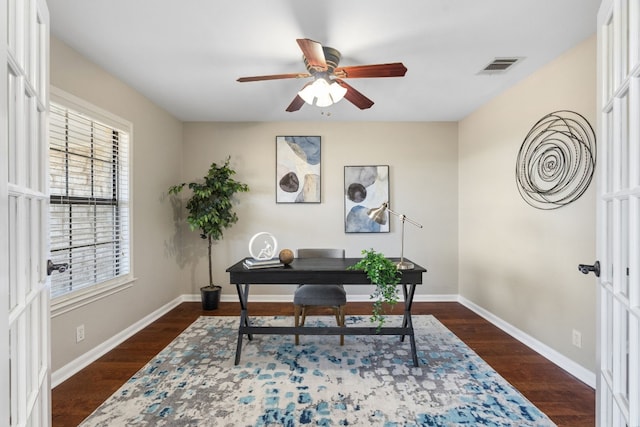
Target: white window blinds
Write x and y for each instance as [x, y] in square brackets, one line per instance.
[89, 209]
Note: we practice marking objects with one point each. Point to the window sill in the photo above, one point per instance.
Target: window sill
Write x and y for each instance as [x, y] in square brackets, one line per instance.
[67, 303]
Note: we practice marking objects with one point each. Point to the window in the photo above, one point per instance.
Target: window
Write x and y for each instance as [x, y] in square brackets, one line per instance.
[89, 204]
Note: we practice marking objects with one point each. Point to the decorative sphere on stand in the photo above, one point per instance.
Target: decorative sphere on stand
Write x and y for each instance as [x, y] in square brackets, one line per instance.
[286, 256]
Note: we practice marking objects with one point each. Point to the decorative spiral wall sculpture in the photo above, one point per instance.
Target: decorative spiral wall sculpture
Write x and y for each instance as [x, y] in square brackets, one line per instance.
[556, 160]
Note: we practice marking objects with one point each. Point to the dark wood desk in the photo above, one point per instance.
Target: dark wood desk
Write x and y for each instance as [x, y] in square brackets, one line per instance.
[319, 271]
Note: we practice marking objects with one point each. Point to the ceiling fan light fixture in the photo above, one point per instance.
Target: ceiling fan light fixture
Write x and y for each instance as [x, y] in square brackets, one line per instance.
[324, 100]
[309, 92]
[337, 91]
[321, 93]
[322, 64]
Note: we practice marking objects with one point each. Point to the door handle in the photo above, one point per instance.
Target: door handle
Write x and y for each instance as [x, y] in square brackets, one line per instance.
[60, 268]
[586, 269]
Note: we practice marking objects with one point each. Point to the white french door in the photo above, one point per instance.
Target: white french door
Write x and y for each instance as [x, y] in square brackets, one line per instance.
[618, 382]
[24, 288]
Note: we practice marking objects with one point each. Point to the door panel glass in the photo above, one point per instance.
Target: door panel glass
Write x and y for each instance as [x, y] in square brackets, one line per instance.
[31, 240]
[11, 21]
[14, 369]
[29, 144]
[606, 41]
[627, 360]
[624, 39]
[634, 128]
[607, 339]
[623, 286]
[13, 259]
[622, 377]
[41, 36]
[41, 243]
[634, 33]
[36, 341]
[615, 149]
[606, 415]
[40, 177]
[28, 350]
[608, 178]
[607, 273]
[25, 37]
[633, 276]
[624, 141]
[12, 128]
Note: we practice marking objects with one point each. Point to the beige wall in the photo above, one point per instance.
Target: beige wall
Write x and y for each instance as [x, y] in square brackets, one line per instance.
[422, 159]
[480, 239]
[156, 154]
[517, 262]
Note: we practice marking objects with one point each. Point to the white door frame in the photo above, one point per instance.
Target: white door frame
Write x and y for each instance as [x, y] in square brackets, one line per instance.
[618, 213]
[24, 206]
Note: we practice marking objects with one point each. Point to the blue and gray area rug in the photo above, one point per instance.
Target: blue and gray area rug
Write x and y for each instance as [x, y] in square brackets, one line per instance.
[370, 381]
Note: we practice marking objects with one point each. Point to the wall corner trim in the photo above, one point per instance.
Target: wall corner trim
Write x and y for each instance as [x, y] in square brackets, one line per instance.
[578, 371]
[76, 365]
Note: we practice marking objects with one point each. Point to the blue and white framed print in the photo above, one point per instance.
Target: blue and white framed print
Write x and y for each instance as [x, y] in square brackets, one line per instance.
[365, 188]
[298, 169]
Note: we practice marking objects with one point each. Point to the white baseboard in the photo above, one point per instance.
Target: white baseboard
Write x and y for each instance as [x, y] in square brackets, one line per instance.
[76, 365]
[552, 355]
[91, 356]
[435, 298]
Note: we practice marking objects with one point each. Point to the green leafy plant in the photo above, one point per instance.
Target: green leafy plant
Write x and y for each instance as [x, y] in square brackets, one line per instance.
[210, 205]
[383, 273]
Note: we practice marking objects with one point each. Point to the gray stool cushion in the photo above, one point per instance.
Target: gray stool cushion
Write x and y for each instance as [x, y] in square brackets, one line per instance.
[322, 295]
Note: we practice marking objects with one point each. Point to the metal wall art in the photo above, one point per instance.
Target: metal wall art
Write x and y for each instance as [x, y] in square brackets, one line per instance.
[365, 188]
[556, 161]
[298, 169]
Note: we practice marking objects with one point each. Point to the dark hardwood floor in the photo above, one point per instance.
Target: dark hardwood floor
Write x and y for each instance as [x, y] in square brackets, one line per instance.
[566, 400]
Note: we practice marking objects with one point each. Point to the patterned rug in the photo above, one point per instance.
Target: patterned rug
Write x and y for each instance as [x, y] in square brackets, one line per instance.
[370, 381]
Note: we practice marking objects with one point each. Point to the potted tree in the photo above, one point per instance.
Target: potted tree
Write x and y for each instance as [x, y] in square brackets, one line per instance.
[384, 274]
[210, 210]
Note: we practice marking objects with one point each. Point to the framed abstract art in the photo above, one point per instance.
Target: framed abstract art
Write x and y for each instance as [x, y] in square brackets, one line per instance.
[365, 188]
[298, 169]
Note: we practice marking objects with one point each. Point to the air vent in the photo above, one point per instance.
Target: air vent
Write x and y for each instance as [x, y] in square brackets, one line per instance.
[499, 65]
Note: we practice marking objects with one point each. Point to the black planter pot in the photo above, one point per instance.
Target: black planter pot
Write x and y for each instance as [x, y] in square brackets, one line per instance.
[210, 297]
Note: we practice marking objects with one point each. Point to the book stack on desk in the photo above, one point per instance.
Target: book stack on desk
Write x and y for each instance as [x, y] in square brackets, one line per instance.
[251, 263]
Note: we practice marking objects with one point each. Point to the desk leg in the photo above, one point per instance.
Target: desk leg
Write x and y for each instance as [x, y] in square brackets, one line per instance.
[407, 321]
[243, 296]
[408, 303]
[412, 340]
[406, 310]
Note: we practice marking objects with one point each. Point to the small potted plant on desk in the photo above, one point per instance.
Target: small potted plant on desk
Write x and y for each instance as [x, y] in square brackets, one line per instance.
[384, 274]
[211, 211]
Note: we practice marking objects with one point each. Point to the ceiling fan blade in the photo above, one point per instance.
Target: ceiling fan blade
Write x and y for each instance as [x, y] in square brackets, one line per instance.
[396, 69]
[355, 97]
[274, 77]
[313, 54]
[296, 104]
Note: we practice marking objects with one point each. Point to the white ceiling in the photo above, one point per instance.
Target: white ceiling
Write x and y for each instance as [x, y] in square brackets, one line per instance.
[185, 55]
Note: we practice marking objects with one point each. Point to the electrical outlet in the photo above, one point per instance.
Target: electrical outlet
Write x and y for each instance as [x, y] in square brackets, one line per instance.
[80, 333]
[576, 338]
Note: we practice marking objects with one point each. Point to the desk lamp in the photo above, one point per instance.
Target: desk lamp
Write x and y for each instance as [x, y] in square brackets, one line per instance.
[378, 215]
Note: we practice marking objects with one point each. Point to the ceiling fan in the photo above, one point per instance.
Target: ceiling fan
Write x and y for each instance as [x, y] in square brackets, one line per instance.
[322, 64]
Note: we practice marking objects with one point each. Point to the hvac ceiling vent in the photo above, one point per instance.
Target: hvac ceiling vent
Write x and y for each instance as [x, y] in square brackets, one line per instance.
[500, 65]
